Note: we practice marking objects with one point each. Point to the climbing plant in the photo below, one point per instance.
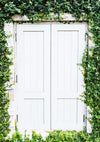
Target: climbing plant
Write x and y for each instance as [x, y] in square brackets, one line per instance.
[5, 62]
[39, 10]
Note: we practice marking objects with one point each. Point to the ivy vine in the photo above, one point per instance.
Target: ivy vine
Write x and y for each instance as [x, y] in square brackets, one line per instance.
[39, 10]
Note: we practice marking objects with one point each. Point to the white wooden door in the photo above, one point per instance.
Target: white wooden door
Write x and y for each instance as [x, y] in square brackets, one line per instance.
[49, 81]
[67, 47]
[33, 71]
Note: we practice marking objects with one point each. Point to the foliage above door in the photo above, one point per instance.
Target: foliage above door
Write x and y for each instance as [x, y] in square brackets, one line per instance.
[87, 10]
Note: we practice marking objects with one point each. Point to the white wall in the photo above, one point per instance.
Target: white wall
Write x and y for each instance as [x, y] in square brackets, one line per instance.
[12, 109]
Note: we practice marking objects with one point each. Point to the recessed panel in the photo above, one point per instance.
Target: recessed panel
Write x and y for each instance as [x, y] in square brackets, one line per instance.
[33, 113]
[67, 58]
[34, 61]
[67, 111]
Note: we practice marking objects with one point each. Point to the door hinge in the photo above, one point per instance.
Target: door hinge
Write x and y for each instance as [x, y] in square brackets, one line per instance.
[84, 118]
[86, 37]
[17, 117]
[16, 78]
[15, 36]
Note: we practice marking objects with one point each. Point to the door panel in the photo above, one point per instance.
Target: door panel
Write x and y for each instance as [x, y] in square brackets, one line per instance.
[33, 69]
[67, 46]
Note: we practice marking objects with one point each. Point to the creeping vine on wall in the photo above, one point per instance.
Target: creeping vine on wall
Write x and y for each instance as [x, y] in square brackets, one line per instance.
[39, 10]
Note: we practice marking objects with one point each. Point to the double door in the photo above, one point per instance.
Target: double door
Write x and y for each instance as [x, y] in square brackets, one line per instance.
[49, 80]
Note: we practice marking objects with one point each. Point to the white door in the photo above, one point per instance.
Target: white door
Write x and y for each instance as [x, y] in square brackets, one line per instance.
[33, 71]
[49, 80]
[67, 47]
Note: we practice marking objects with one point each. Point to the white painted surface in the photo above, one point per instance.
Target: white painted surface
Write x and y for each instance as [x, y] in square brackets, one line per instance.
[67, 48]
[49, 80]
[33, 70]
[65, 17]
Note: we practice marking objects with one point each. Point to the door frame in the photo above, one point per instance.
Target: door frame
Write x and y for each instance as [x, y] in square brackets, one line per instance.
[15, 64]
